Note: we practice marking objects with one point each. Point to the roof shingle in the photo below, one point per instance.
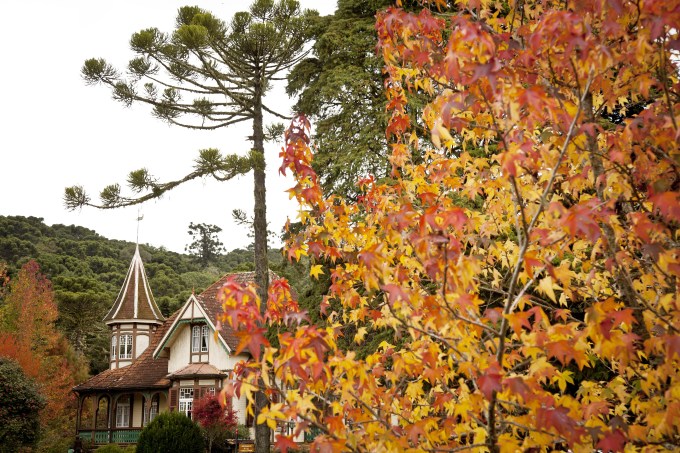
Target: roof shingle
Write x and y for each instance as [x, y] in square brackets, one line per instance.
[135, 299]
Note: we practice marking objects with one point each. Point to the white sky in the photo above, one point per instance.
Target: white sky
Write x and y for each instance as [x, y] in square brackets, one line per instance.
[58, 132]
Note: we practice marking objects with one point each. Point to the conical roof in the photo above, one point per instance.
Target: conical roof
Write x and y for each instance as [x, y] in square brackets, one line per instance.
[135, 301]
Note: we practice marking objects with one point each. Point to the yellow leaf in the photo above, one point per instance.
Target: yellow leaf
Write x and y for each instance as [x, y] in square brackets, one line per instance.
[316, 270]
[562, 378]
[359, 337]
[546, 285]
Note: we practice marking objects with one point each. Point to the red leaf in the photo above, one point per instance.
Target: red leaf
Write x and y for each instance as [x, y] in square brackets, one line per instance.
[672, 346]
[490, 381]
[668, 204]
[559, 420]
[283, 443]
[613, 441]
[562, 350]
[516, 385]
[415, 431]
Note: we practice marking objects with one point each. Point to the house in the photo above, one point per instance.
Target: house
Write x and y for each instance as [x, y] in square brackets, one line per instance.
[156, 364]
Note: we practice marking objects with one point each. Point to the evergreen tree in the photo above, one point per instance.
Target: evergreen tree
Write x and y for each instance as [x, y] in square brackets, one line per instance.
[341, 89]
[226, 71]
[20, 408]
[206, 246]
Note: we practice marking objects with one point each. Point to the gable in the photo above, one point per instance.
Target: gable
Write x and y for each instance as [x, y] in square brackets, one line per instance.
[191, 313]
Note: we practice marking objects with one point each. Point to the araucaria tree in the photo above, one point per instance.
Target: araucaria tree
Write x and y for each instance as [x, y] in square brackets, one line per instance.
[527, 261]
[207, 75]
[206, 245]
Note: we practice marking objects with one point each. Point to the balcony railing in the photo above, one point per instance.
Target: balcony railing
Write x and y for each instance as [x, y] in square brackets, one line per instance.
[116, 436]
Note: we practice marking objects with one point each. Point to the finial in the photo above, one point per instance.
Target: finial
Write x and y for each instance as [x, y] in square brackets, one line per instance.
[139, 219]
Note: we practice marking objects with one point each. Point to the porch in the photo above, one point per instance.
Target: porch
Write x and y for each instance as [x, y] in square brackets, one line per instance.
[108, 417]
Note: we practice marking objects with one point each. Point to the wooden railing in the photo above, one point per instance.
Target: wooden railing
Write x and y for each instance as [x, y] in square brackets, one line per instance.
[116, 436]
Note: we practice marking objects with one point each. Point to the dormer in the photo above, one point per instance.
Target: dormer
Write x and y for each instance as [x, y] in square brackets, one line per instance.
[134, 316]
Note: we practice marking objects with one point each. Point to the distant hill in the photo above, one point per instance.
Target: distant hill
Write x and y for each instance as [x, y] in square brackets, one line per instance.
[87, 270]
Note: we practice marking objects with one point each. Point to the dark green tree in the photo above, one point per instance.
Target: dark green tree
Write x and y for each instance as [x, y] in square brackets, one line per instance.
[206, 75]
[206, 246]
[171, 432]
[20, 406]
[341, 88]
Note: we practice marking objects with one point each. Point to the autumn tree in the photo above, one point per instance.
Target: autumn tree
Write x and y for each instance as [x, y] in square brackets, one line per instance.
[214, 418]
[29, 336]
[527, 259]
[207, 74]
[206, 246]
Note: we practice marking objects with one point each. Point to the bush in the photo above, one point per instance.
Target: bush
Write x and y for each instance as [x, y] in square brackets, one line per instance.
[243, 432]
[171, 432]
[20, 406]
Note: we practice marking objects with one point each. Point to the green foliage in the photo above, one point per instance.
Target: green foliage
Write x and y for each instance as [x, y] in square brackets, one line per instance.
[243, 432]
[87, 271]
[341, 88]
[171, 432]
[20, 405]
[205, 245]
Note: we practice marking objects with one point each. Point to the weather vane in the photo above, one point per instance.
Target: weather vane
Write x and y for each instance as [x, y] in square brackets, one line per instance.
[139, 219]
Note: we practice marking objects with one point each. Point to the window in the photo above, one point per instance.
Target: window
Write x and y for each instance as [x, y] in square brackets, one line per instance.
[199, 339]
[186, 400]
[195, 338]
[125, 347]
[204, 339]
[113, 347]
[123, 412]
[153, 411]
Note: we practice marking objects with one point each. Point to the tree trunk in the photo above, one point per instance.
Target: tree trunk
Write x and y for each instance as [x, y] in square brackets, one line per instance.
[262, 434]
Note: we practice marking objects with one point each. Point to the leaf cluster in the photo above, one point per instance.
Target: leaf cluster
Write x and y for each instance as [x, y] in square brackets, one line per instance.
[523, 254]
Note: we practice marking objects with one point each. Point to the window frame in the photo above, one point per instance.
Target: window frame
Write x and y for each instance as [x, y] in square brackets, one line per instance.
[114, 346]
[125, 347]
[123, 416]
[185, 403]
[195, 339]
[204, 338]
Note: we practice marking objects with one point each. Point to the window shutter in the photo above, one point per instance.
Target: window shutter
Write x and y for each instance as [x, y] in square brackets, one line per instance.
[173, 400]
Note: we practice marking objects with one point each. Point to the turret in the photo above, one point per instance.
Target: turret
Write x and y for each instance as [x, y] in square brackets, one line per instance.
[134, 316]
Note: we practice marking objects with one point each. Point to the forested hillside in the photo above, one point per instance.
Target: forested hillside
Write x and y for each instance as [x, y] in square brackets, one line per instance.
[87, 270]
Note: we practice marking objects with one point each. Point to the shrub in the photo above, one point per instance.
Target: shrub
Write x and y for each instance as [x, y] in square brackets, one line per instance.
[171, 432]
[243, 432]
[20, 405]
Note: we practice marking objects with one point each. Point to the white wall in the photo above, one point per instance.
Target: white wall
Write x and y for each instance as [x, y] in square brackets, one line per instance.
[142, 343]
[180, 349]
[137, 410]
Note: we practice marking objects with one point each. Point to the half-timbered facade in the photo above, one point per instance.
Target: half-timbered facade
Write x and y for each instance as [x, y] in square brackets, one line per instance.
[156, 364]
